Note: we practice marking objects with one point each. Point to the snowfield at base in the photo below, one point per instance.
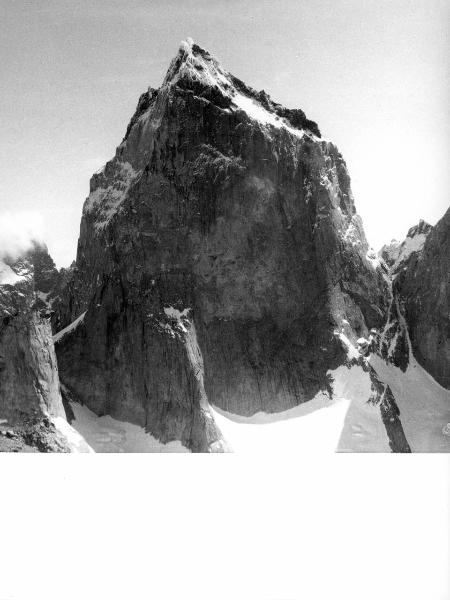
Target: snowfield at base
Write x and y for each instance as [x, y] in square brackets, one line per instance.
[345, 423]
[105, 434]
[75, 441]
[424, 405]
[58, 336]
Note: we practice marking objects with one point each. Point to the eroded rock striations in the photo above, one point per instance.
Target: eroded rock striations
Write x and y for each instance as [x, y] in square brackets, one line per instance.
[220, 254]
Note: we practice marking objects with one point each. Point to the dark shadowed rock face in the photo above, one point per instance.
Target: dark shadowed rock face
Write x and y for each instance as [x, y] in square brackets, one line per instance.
[423, 285]
[394, 344]
[219, 252]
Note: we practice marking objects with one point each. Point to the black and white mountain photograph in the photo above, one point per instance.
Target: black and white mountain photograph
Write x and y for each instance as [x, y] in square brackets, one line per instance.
[225, 229]
[223, 294]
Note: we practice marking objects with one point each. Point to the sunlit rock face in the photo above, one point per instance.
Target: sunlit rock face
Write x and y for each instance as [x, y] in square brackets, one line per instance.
[423, 284]
[219, 254]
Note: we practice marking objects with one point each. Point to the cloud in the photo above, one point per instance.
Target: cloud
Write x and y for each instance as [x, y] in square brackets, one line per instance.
[18, 231]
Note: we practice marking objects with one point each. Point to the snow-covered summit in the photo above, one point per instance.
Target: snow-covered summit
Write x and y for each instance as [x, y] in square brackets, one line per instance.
[195, 68]
[195, 63]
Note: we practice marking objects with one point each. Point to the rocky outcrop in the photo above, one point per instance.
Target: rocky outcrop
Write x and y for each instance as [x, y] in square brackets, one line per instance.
[31, 410]
[423, 287]
[219, 253]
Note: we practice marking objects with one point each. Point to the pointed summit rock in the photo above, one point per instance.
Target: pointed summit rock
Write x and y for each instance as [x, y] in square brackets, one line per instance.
[220, 262]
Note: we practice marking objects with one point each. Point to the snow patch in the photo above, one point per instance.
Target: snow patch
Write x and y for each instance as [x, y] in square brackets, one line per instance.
[58, 336]
[352, 352]
[75, 441]
[347, 422]
[311, 427]
[174, 313]
[258, 113]
[373, 258]
[424, 405]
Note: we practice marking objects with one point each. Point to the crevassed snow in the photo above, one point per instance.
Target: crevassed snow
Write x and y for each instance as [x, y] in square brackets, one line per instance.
[58, 336]
[8, 276]
[344, 423]
[424, 405]
[75, 441]
[105, 434]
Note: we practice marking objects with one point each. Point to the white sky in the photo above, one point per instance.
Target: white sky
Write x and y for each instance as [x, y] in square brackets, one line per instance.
[373, 74]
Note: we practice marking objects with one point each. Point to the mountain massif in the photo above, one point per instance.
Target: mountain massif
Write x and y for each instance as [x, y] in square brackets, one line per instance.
[224, 284]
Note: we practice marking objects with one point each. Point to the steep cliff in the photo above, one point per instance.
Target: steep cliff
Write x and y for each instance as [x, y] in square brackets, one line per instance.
[423, 286]
[220, 260]
[32, 415]
[396, 256]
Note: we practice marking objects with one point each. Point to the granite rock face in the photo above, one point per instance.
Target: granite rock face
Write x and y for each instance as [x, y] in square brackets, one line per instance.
[31, 410]
[423, 287]
[220, 255]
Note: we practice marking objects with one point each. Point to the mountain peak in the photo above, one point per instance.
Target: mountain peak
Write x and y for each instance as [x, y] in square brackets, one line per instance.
[194, 63]
[196, 69]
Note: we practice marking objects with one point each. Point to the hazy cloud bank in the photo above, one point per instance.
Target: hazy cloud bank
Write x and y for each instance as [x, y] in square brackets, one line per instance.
[18, 231]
